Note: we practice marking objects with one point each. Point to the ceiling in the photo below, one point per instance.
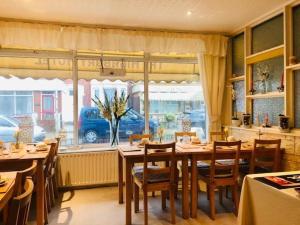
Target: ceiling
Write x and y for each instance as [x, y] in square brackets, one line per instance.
[205, 15]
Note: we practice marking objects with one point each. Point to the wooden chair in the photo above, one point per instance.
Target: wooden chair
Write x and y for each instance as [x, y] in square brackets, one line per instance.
[265, 156]
[156, 179]
[216, 136]
[219, 175]
[53, 178]
[135, 137]
[47, 184]
[20, 205]
[21, 178]
[182, 134]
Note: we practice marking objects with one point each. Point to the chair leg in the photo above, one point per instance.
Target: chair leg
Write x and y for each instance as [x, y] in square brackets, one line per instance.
[176, 183]
[163, 200]
[48, 199]
[136, 198]
[45, 210]
[227, 191]
[54, 181]
[207, 192]
[145, 207]
[153, 194]
[51, 190]
[235, 198]
[221, 195]
[172, 204]
[212, 201]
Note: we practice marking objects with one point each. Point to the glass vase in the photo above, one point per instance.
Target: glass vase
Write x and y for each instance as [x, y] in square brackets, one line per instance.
[114, 132]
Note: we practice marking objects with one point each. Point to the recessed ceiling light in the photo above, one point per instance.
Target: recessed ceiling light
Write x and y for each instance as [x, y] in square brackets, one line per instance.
[189, 13]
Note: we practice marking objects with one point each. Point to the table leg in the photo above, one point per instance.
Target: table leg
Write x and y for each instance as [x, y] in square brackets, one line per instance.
[128, 186]
[185, 188]
[194, 191]
[40, 193]
[120, 178]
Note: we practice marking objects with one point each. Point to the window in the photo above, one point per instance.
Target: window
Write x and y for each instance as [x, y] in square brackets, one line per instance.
[41, 107]
[39, 92]
[173, 104]
[176, 99]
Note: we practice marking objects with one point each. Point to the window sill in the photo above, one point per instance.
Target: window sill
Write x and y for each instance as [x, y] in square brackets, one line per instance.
[86, 148]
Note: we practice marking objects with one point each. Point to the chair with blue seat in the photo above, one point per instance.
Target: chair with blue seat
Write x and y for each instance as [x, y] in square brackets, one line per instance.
[222, 175]
[151, 179]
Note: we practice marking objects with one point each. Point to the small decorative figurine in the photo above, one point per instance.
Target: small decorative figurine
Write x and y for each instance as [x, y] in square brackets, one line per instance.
[264, 73]
[266, 121]
[252, 90]
[281, 87]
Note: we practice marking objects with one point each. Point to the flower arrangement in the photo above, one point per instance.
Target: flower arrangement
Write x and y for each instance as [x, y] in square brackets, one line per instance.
[160, 133]
[113, 110]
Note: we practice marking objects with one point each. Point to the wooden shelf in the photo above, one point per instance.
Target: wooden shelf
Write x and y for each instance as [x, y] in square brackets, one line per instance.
[264, 55]
[239, 78]
[293, 67]
[267, 95]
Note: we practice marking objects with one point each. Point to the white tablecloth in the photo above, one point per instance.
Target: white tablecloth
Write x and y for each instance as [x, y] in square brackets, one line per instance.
[262, 204]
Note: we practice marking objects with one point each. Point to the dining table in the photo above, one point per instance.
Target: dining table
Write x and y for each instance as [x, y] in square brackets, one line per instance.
[17, 160]
[7, 189]
[265, 202]
[185, 152]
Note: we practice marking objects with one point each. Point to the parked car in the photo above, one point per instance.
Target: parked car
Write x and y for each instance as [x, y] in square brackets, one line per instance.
[94, 128]
[197, 118]
[8, 127]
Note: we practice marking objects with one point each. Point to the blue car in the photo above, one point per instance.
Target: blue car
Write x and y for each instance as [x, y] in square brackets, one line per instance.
[93, 128]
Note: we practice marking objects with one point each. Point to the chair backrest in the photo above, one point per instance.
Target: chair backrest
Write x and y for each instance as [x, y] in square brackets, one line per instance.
[160, 152]
[21, 178]
[20, 205]
[135, 137]
[182, 134]
[225, 150]
[266, 154]
[57, 145]
[50, 159]
[216, 136]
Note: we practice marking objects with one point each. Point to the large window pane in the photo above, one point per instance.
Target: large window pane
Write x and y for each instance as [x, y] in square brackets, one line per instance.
[173, 104]
[41, 108]
[92, 127]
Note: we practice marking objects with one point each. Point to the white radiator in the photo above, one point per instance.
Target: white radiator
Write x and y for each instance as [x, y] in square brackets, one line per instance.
[88, 168]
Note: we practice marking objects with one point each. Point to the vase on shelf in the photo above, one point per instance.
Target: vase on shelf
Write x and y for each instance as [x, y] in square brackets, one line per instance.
[114, 132]
[246, 120]
[284, 124]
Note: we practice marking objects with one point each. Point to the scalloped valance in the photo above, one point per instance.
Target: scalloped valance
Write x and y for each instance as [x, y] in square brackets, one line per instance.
[51, 36]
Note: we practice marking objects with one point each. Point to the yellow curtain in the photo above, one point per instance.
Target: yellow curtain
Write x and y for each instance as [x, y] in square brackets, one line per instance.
[212, 69]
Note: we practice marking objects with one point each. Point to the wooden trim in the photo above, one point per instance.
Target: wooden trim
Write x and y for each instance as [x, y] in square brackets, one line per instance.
[239, 78]
[248, 68]
[266, 54]
[295, 3]
[267, 95]
[259, 20]
[293, 67]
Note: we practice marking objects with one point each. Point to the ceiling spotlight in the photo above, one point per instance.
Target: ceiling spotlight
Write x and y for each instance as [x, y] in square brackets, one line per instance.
[189, 13]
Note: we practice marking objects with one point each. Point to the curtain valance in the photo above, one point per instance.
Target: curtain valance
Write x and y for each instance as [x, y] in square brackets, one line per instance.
[50, 36]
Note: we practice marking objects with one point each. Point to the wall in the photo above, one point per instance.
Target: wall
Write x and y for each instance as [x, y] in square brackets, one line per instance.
[290, 141]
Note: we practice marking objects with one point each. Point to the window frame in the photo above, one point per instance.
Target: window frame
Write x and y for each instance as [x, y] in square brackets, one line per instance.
[75, 56]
